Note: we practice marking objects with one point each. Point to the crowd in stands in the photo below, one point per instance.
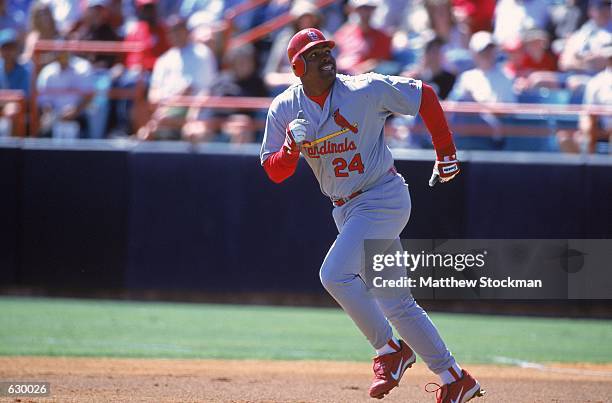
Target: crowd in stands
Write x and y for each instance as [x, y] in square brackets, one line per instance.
[484, 51]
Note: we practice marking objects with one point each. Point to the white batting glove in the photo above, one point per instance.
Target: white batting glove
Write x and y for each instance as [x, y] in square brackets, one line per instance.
[296, 132]
[297, 127]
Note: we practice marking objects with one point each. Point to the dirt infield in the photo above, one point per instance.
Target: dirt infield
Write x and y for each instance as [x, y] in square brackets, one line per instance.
[148, 380]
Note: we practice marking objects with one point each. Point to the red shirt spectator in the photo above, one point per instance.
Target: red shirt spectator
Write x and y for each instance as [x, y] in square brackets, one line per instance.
[530, 53]
[478, 14]
[360, 42]
[151, 33]
[548, 62]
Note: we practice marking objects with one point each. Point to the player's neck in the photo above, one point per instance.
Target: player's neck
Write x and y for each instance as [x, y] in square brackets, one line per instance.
[320, 99]
[316, 89]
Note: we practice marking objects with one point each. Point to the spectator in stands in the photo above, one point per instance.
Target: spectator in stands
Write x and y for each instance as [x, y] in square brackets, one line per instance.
[42, 26]
[487, 82]
[531, 62]
[114, 14]
[431, 69]
[65, 92]
[151, 32]
[187, 68]
[390, 15]
[593, 129]
[538, 56]
[361, 47]
[444, 24]
[206, 22]
[10, 19]
[238, 79]
[243, 21]
[514, 56]
[400, 131]
[14, 14]
[66, 14]
[277, 71]
[476, 14]
[276, 8]
[96, 26]
[566, 16]
[13, 76]
[582, 51]
[454, 34]
[512, 17]
[190, 7]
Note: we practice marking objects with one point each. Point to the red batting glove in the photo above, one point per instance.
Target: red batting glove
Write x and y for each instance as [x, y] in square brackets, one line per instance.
[446, 166]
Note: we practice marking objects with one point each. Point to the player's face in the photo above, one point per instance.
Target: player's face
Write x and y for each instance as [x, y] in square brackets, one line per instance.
[320, 63]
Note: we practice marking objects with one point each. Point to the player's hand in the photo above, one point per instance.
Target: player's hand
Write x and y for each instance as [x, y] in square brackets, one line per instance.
[296, 133]
[445, 169]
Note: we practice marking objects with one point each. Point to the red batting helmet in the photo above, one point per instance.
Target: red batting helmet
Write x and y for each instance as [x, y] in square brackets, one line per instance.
[300, 43]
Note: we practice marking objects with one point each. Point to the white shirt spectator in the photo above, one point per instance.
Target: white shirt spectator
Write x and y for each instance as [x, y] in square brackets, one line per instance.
[483, 86]
[76, 76]
[514, 16]
[192, 66]
[66, 13]
[390, 14]
[599, 92]
[589, 39]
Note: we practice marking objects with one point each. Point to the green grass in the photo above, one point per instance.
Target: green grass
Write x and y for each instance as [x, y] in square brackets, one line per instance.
[32, 326]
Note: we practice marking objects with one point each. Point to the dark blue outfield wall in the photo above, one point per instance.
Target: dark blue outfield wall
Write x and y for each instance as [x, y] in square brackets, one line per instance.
[115, 215]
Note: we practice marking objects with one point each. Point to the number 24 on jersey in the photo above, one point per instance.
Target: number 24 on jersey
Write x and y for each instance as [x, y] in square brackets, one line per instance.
[343, 169]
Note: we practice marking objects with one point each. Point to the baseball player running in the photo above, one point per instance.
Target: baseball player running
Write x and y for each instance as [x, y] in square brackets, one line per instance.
[336, 122]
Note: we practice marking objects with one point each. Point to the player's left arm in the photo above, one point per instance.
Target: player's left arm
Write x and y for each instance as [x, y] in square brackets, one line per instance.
[408, 96]
[446, 166]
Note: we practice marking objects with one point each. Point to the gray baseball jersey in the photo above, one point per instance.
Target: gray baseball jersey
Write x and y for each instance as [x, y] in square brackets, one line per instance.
[347, 150]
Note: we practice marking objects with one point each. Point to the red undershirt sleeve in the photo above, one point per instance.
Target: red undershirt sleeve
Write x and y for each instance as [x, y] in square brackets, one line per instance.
[281, 165]
[433, 116]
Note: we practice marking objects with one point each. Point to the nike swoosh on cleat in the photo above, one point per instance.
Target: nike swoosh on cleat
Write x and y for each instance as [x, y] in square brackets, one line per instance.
[396, 374]
[458, 397]
[400, 369]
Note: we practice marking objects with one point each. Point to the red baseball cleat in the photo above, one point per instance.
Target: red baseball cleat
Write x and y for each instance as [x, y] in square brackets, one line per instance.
[389, 368]
[459, 391]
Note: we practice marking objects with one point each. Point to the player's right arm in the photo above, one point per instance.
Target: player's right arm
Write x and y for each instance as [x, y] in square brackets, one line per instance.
[280, 150]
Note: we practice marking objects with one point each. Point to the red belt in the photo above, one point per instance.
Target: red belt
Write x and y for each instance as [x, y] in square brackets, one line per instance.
[341, 202]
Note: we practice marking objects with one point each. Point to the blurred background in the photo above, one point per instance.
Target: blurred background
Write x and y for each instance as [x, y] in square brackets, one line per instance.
[129, 134]
[105, 69]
